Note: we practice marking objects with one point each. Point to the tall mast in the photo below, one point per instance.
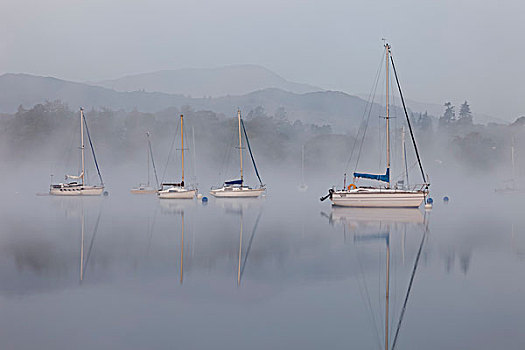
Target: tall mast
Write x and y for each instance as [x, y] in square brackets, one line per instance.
[82, 142]
[387, 51]
[240, 140]
[182, 146]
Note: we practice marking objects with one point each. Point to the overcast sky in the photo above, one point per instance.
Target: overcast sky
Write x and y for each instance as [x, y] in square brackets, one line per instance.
[444, 50]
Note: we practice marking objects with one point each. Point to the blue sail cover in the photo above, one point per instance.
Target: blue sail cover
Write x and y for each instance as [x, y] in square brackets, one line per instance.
[378, 177]
[233, 182]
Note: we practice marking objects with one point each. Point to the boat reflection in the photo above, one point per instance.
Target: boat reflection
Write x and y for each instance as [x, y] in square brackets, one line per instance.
[377, 225]
[84, 262]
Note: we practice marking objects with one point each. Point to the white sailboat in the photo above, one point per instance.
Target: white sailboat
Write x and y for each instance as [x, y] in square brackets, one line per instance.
[79, 187]
[236, 188]
[147, 188]
[383, 196]
[511, 185]
[177, 190]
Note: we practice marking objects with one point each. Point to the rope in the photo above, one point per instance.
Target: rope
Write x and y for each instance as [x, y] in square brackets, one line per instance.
[371, 97]
[93, 151]
[368, 118]
[169, 154]
[408, 121]
[251, 154]
[153, 162]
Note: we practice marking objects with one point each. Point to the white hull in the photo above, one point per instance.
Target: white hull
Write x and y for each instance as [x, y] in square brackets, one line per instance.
[143, 190]
[378, 198]
[76, 190]
[177, 193]
[237, 192]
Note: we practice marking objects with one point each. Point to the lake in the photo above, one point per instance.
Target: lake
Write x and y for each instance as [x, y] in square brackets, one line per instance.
[282, 272]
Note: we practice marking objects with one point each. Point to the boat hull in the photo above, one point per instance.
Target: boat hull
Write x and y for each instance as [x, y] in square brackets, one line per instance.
[237, 192]
[76, 190]
[143, 190]
[177, 194]
[378, 199]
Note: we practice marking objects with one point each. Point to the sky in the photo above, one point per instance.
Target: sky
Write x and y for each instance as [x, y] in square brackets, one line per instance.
[447, 50]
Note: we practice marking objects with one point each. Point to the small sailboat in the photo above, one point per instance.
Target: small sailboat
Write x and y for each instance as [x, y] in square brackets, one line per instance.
[302, 187]
[79, 187]
[511, 185]
[177, 190]
[147, 188]
[237, 188]
[383, 196]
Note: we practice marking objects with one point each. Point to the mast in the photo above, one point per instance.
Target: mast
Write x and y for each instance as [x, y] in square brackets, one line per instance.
[387, 51]
[182, 147]
[240, 141]
[387, 288]
[82, 143]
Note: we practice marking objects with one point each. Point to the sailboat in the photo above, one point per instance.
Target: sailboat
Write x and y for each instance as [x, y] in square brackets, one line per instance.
[177, 190]
[511, 185]
[147, 188]
[383, 196]
[79, 187]
[236, 188]
[302, 187]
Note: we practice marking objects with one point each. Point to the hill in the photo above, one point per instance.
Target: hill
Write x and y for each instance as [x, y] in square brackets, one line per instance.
[214, 82]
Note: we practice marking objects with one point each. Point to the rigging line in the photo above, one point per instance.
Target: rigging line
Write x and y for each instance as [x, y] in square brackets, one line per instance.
[371, 97]
[251, 154]
[169, 153]
[153, 162]
[409, 288]
[95, 230]
[70, 148]
[92, 150]
[368, 118]
[227, 154]
[408, 121]
[250, 244]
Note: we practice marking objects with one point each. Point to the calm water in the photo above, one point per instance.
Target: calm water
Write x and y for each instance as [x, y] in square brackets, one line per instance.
[297, 274]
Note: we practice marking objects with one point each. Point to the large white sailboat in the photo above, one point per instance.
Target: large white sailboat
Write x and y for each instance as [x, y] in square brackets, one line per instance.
[177, 190]
[79, 187]
[237, 188]
[384, 196]
[147, 188]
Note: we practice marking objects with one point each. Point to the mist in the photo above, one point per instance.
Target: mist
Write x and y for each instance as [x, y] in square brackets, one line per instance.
[285, 270]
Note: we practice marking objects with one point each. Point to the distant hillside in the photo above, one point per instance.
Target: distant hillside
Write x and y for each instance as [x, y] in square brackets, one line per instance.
[214, 82]
[338, 109]
[28, 90]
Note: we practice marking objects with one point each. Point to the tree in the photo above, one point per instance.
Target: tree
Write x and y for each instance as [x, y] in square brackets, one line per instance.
[423, 121]
[449, 116]
[465, 115]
